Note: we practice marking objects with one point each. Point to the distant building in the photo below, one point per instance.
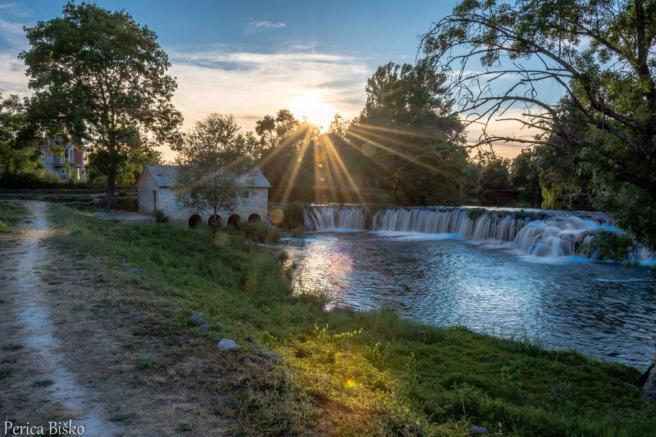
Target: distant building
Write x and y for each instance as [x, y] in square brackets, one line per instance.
[66, 161]
[157, 193]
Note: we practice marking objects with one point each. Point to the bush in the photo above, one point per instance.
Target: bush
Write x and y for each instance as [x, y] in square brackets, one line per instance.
[293, 217]
[160, 217]
[612, 246]
[260, 233]
[256, 232]
[272, 235]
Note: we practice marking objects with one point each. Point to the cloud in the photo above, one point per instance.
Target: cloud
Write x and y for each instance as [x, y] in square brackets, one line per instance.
[12, 75]
[250, 85]
[256, 25]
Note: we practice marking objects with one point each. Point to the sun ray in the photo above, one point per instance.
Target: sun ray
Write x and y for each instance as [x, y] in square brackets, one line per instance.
[394, 152]
[297, 166]
[338, 159]
[397, 131]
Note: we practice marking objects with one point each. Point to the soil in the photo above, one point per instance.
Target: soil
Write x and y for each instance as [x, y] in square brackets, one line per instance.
[79, 343]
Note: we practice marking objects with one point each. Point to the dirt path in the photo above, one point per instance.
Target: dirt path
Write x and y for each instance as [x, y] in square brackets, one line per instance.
[86, 341]
[39, 386]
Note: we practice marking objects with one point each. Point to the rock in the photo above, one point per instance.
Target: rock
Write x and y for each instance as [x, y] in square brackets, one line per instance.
[204, 327]
[249, 339]
[134, 271]
[197, 319]
[269, 357]
[476, 429]
[226, 344]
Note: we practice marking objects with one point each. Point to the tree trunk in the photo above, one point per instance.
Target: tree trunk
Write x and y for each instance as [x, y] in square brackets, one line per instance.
[110, 188]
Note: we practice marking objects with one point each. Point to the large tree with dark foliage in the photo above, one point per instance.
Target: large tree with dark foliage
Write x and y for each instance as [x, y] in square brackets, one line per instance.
[285, 155]
[99, 77]
[18, 151]
[410, 134]
[602, 55]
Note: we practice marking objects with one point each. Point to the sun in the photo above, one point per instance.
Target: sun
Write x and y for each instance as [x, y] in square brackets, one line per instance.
[311, 107]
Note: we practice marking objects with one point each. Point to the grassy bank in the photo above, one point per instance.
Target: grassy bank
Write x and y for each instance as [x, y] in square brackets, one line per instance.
[10, 214]
[339, 372]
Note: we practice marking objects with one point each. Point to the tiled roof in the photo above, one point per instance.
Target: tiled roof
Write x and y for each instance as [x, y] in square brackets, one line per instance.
[165, 175]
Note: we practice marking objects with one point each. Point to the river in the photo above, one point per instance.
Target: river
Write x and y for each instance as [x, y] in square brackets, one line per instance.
[604, 310]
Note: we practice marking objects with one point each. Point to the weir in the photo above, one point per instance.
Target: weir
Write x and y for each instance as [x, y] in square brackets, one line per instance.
[539, 233]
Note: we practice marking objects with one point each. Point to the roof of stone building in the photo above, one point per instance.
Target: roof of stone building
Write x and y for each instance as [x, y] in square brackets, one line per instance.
[165, 175]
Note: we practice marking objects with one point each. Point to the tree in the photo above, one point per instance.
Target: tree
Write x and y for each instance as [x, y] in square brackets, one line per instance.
[285, 155]
[211, 158]
[601, 54]
[99, 77]
[18, 151]
[525, 177]
[495, 177]
[408, 130]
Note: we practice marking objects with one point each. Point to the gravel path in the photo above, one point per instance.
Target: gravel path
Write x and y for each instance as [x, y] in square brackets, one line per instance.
[38, 383]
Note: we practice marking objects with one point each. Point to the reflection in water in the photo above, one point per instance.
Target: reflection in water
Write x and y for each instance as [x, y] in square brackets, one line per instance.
[603, 310]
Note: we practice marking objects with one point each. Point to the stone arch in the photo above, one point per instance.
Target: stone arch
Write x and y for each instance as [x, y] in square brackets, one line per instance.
[194, 221]
[254, 218]
[233, 220]
[214, 221]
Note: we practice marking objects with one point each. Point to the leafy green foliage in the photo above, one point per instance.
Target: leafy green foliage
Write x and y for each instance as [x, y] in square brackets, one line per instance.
[100, 77]
[286, 143]
[211, 158]
[408, 129]
[612, 246]
[600, 139]
[293, 215]
[260, 233]
[18, 148]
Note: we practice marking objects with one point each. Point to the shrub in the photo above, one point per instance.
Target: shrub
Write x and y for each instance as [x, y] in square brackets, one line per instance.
[613, 246]
[256, 232]
[272, 235]
[293, 215]
[260, 233]
[160, 217]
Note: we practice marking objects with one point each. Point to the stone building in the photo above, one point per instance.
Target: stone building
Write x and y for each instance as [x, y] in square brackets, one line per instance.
[66, 161]
[157, 192]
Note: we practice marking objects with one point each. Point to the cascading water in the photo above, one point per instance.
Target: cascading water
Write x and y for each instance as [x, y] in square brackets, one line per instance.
[544, 234]
[334, 217]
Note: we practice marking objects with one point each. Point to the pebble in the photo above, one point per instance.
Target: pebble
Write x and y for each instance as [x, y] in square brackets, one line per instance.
[226, 344]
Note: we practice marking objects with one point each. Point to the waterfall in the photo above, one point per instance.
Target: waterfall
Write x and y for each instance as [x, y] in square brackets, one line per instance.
[334, 217]
[551, 234]
[538, 233]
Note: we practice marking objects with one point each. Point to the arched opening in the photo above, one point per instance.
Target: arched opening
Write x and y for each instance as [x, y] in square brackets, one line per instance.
[254, 218]
[195, 220]
[214, 221]
[233, 220]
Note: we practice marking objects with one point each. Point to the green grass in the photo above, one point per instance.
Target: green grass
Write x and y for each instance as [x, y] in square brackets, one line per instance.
[357, 373]
[10, 214]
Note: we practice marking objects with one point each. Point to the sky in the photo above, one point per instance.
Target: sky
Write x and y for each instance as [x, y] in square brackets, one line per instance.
[251, 58]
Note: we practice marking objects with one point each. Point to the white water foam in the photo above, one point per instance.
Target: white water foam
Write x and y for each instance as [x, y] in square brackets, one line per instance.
[536, 235]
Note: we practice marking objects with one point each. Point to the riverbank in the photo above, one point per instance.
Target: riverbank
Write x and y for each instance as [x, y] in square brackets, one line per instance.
[302, 370]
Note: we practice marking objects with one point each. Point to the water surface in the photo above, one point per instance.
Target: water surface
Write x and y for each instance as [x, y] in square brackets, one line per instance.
[603, 310]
